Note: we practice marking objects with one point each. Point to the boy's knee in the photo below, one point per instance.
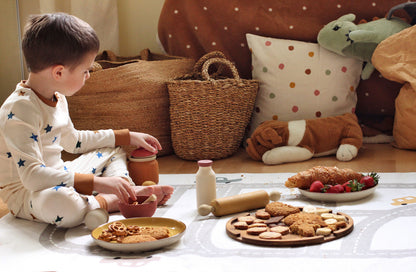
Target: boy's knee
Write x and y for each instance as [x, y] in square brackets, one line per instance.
[62, 206]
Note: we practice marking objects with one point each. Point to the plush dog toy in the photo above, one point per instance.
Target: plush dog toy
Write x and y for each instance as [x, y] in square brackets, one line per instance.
[276, 142]
[345, 38]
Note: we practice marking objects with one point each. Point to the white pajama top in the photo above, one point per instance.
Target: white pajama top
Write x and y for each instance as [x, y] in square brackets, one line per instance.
[33, 133]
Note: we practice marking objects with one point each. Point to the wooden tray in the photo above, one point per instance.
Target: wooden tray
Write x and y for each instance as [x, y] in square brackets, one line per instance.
[288, 239]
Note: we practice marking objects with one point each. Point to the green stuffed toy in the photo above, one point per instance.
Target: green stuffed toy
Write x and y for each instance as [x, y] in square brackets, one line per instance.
[345, 38]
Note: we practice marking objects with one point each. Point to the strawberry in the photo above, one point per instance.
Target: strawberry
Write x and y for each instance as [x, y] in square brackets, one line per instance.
[336, 189]
[370, 180]
[352, 186]
[316, 186]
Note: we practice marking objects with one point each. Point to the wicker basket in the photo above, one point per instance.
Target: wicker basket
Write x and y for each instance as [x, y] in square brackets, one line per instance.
[129, 92]
[209, 115]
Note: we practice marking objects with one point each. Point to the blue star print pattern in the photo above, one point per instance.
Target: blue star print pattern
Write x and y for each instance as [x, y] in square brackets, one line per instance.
[56, 188]
[58, 219]
[34, 137]
[10, 116]
[21, 163]
[48, 128]
[99, 154]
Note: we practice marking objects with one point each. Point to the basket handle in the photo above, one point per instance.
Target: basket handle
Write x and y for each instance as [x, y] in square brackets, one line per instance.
[204, 58]
[225, 62]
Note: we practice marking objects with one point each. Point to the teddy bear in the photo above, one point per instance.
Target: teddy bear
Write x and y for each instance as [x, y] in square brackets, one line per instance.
[344, 37]
[277, 142]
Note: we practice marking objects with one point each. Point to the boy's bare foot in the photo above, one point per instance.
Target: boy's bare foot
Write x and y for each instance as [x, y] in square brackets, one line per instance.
[162, 192]
[112, 200]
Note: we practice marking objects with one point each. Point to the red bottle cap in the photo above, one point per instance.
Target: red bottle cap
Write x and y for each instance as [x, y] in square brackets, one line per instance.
[141, 153]
[205, 163]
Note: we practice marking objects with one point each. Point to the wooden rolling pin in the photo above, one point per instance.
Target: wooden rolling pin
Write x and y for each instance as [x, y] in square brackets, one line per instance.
[238, 203]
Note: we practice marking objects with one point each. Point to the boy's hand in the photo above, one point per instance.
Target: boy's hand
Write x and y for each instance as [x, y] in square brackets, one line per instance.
[145, 141]
[115, 185]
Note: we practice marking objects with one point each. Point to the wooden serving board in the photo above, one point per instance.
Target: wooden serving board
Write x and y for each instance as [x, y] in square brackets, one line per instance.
[288, 239]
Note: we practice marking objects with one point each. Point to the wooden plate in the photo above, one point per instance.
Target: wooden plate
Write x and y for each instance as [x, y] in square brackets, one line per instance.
[288, 239]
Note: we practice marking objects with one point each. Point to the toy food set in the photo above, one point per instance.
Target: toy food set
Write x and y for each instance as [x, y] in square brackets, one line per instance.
[206, 186]
[143, 167]
[138, 234]
[142, 207]
[260, 219]
[280, 224]
[332, 184]
[238, 203]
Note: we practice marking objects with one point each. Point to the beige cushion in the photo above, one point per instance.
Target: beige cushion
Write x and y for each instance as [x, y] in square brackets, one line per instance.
[300, 80]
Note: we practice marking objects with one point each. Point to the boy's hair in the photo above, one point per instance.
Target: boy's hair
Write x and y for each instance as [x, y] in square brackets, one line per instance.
[57, 38]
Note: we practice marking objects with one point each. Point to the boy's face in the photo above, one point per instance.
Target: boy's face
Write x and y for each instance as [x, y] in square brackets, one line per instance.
[75, 78]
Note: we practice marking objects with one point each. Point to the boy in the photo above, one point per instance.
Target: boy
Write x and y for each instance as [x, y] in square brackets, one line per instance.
[35, 127]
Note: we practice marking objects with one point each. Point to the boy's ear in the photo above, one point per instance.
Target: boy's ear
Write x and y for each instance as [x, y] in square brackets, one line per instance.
[57, 71]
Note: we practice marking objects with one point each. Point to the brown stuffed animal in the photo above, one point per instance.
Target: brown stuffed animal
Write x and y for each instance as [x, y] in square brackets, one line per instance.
[276, 142]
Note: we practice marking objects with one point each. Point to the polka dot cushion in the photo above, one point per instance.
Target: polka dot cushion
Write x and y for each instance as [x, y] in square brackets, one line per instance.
[300, 80]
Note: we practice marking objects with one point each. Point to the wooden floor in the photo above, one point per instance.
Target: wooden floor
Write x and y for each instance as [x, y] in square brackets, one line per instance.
[371, 158]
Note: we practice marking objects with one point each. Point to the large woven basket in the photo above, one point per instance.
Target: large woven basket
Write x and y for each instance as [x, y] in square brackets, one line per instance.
[129, 92]
[209, 115]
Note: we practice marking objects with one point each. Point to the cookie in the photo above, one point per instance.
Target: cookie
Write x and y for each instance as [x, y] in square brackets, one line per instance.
[139, 238]
[248, 219]
[280, 229]
[257, 225]
[270, 235]
[256, 231]
[155, 232]
[302, 217]
[262, 214]
[279, 208]
[240, 225]
[304, 229]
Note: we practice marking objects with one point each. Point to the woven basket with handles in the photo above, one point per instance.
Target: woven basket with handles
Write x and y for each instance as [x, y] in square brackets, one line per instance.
[209, 113]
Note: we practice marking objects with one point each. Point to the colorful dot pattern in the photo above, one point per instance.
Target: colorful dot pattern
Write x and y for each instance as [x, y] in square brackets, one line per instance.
[300, 80]
[237, 10]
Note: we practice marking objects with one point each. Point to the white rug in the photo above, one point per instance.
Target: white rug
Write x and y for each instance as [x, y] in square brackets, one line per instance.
[383, 235]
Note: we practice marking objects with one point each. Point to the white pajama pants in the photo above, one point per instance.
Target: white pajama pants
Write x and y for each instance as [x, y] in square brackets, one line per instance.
[65, 207]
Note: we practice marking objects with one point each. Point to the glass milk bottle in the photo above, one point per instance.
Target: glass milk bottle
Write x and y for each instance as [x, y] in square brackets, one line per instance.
[205, 183]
